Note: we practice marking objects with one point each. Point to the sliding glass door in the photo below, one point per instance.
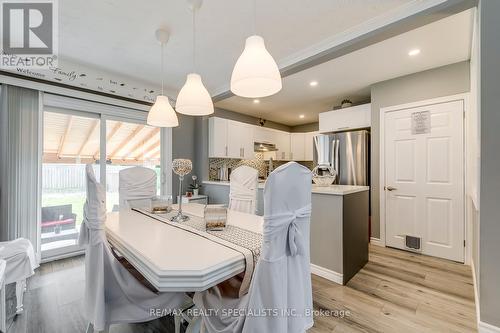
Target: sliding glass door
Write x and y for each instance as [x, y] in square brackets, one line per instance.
[129, 144]
[70, 141]
[83, 133]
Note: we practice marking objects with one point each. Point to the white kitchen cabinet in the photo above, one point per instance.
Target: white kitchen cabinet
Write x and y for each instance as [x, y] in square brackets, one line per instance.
[247, 142]
[282, 141]
[355, 117]
[263, 134]
[217, 137]
[309, 145]
[234, 140]
[297, 146]
[231, 139]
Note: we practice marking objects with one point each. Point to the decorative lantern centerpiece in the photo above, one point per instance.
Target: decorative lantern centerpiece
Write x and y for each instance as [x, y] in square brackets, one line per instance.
[181, 167]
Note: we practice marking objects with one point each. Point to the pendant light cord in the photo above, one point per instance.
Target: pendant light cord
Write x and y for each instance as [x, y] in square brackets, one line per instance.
[194, 40]
[162, 45]
[255, 17]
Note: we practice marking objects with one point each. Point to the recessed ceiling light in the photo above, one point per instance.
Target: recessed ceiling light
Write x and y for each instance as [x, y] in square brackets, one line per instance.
[256, 101]
[313, 83]
[413, 52]
[301, 116]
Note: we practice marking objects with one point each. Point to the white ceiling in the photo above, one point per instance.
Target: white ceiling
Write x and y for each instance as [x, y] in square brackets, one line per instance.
[442, 42]
[118, 35]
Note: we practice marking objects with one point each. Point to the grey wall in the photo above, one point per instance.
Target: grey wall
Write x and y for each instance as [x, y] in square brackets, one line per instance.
[447, 80]
[489, 266]
[183, 146]
[312, 127]
[222, 113]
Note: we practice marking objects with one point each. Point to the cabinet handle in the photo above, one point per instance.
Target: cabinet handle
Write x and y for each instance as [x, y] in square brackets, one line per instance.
[242, 152]
[291, 156]
[283, 155]
[226, 150]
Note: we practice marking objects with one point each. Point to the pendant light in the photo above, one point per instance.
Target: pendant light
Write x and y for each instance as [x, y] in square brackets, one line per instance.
[255, 73]
[194, 99]
[162, 114]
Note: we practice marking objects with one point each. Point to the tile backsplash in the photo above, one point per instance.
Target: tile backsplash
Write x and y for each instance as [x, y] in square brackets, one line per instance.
[257, 163]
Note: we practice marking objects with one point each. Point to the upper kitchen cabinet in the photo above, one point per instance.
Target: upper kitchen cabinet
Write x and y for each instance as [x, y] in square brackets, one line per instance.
[230, 139]
[217, 137]
[240, 140]
[309, 145]
[282, 141]
[355, 117]
[297, 146]
[263, 134]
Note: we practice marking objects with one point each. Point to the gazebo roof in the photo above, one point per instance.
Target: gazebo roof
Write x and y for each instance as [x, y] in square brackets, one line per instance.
[70, 138]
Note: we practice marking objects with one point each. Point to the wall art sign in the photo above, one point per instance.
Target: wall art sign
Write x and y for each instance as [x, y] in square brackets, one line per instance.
[421, 122]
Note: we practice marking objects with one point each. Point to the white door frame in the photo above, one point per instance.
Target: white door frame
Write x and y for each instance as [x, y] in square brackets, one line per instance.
[383, 111]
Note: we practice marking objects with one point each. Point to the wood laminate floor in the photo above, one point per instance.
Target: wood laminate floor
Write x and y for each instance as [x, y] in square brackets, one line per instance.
[396, 291]
[399, 291]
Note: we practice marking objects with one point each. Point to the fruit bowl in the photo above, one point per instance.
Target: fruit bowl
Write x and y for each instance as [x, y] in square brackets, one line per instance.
[324, 180]
[324, 175]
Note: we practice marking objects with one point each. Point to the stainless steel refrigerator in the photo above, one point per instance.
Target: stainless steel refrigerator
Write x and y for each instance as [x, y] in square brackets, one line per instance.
[348, 153]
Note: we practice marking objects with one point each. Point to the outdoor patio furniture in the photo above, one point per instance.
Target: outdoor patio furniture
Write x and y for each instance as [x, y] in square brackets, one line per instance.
[58, 218]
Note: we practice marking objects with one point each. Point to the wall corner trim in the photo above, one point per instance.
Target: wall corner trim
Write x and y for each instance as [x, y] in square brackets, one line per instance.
[482, 327]
[327, 274]
[376, 241]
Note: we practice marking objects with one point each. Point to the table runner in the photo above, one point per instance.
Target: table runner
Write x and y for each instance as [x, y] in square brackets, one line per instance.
[244, 241]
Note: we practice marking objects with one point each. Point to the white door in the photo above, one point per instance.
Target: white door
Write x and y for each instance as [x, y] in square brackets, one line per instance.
[424, 178]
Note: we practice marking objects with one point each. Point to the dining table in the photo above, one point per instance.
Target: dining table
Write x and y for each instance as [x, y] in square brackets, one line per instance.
[170, 256]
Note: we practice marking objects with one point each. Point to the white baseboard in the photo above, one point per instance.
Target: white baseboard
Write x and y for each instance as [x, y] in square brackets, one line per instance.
[376, 241]
[487, 328]
[327, 274]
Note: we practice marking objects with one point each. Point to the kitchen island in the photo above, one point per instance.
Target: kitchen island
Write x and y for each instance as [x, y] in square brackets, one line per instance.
[339, 226]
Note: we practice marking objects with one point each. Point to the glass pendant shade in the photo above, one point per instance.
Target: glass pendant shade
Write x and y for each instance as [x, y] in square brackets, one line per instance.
[194, 99]
[162, 114]
[255, 74]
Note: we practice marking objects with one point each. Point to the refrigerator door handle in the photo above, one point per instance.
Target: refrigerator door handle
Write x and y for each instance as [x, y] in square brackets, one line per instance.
[332, 155]
[337, 146]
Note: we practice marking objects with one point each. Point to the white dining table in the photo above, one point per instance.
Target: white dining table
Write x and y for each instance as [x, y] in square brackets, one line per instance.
[173, 259]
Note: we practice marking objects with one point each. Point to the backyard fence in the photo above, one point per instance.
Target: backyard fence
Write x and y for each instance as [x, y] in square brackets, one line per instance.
[71, 177]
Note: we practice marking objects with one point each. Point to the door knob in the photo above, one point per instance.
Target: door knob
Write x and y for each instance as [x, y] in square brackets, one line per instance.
[390, 188]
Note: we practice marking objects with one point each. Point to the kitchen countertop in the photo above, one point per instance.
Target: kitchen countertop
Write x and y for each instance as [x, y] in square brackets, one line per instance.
[332, 189]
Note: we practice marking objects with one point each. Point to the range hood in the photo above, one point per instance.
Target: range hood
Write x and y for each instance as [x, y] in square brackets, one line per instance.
[263, 147]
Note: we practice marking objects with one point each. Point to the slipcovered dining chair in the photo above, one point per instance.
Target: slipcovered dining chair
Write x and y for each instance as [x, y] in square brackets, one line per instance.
[112, 294]
[137, 187]
[20, 265]
[243, 189]
[282, 277]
